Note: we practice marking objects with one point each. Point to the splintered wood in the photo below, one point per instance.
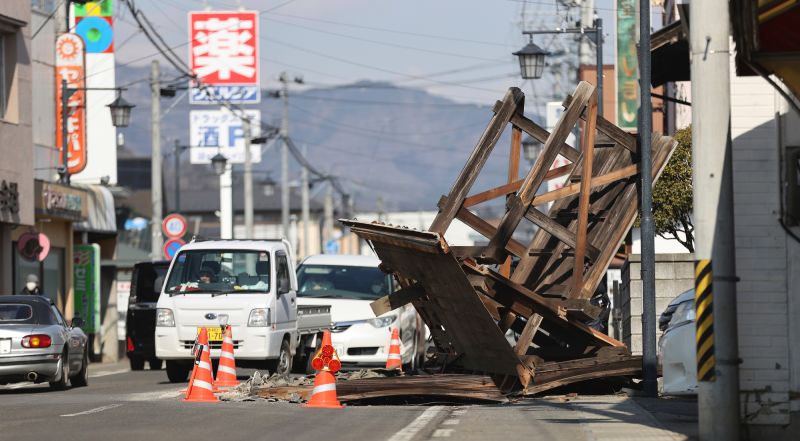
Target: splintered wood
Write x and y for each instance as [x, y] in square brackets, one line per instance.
[469, 296]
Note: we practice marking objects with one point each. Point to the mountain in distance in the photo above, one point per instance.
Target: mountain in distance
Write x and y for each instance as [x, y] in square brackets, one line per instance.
[400, 144]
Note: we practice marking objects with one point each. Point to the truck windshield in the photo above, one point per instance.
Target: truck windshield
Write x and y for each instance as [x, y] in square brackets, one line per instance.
[342, 282]
[219, 271]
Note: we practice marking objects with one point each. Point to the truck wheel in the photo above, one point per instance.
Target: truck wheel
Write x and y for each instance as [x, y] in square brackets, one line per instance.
[137, 362]
[283, 364]
[155, 364]
[177, 371]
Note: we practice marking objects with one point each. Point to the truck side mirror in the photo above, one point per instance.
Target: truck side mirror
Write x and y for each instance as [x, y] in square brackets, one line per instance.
[283, 286]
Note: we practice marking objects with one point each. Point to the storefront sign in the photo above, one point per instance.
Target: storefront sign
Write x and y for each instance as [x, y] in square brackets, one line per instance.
[33, 246]
[627, 65]
[86, 283]
[9, 197]
[61, 201]
[70, 67]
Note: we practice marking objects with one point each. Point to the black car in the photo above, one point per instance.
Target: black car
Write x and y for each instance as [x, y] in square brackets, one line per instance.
[140, 324]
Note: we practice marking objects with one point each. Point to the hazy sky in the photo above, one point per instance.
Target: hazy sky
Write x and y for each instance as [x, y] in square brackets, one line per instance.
[458, 48]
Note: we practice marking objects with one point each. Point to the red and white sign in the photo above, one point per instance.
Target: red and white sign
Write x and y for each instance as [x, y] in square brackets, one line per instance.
[70, 66]
[174, 225]
[223, 47]
[33, 246]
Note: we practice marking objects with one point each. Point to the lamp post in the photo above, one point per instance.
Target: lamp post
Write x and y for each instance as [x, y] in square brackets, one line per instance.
[532, 57]
[120, 117]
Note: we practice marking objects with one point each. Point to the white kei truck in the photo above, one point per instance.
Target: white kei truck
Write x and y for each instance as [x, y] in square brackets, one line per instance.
[248, 284]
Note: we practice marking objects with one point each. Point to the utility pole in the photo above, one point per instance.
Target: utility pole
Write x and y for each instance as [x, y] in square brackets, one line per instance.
[327, 224]
[177, 158]
[157, 240]
[284, 78]
[248, 179]
[649, 369]
[226, 202]
[717, 343]
[305, 210]
[585, 49]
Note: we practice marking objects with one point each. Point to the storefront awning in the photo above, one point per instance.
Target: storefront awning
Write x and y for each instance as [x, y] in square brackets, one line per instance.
[669, 54]
[101, 217]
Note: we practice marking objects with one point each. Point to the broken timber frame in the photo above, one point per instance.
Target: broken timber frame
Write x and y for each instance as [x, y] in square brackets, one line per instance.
[468, 305]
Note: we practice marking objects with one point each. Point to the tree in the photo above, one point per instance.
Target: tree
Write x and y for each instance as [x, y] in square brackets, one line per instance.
[672, 194]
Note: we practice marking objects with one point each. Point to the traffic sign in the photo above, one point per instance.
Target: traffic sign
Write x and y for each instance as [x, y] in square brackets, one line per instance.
[174, 225]
[171, 248]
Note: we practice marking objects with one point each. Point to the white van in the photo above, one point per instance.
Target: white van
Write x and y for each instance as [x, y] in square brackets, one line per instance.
[248, 284]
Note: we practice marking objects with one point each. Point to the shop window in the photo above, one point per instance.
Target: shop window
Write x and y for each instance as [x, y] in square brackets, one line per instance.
[51, 273]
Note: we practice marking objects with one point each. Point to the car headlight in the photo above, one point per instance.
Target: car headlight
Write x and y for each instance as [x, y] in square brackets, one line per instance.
[684, 313]
[382, 322]
[258, 317]
[164, 317]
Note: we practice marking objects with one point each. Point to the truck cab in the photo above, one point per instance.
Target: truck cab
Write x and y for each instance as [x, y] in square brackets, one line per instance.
[248, 284]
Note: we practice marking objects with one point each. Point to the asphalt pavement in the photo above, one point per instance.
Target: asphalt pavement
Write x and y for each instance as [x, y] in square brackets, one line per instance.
[121, 405]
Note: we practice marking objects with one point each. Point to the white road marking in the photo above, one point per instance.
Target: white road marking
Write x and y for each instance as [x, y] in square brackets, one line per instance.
[419, 423]
[459, 412]
[156, 395]
[443, 433]
[95, 410]
[107, 373]
[450, 422]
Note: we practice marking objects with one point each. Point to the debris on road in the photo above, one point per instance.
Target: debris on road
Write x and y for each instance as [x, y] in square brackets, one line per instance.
[469, 296]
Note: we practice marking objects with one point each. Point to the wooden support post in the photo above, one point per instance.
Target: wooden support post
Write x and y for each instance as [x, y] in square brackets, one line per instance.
[513, 100]
[559, 231]
[586, 190]
[513, 174]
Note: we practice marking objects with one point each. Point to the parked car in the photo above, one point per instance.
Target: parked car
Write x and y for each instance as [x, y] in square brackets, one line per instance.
[140, 322]
[676, 347]
[37, 344]
[349, 284]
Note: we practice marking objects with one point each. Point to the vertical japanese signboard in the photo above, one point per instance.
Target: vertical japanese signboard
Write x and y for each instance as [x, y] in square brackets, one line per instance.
[70, 52]
[627, 65]
[86, 285]
[223, 53]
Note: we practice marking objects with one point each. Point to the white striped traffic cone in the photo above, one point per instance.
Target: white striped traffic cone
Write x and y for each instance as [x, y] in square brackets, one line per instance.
[226, 371]
[202, 386]
[394, 361]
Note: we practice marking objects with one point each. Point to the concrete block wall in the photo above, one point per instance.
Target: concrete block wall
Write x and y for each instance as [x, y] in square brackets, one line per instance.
[674, 275]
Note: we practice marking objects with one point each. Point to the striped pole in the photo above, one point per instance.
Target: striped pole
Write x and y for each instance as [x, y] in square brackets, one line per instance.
[704, 308]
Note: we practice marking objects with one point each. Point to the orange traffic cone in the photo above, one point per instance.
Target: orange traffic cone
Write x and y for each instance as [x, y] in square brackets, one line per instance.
[394, 361]
[226, 371]
[326, 361]
[202, 385]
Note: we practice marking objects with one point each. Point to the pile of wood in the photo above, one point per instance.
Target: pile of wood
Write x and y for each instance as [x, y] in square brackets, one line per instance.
[469, 296]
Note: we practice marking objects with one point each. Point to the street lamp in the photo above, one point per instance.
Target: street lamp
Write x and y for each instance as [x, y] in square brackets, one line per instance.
[531, 61]
[120, 117]
[531, 148]
[218, 163]
[532, 57]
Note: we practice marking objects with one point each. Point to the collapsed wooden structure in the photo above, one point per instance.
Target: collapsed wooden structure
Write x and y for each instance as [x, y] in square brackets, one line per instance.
[469, 296]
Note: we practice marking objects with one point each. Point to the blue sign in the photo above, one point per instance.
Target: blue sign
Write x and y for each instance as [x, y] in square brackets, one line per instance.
[332, 247]
[171, 248]
[232, 94]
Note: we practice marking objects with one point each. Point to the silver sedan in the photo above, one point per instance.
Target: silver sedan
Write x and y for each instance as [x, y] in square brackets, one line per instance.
[37, 345]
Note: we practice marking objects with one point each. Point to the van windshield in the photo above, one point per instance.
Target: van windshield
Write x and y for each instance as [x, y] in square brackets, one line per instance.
[342, 282]
[219, 271]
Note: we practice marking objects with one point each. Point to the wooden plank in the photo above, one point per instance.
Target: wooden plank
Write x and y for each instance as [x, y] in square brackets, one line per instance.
[586, 189]
[540, 134]
[559, 231]
[513, 100]
[484, 228]
[512, 217]
[511, 187]
[620, 136]
[513, 175]
[397, 299]
[573, 189]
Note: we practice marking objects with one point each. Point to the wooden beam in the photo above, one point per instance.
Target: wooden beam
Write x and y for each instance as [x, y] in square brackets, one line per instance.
[511, 187]
[512, 217]
[558, 231]
[397, 299]
[620, 136]
[513, 100]
[586, 190]
[484, 228]
[573, 189]
[541, 135]
[513, 175]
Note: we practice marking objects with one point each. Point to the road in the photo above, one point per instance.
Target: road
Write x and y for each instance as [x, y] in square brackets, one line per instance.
[121, 405]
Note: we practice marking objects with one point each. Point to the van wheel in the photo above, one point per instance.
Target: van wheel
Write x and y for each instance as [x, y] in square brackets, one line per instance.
[283, 364]
[177, 371]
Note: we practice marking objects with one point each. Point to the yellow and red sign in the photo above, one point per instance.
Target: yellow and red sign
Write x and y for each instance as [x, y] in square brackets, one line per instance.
[70, 66]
